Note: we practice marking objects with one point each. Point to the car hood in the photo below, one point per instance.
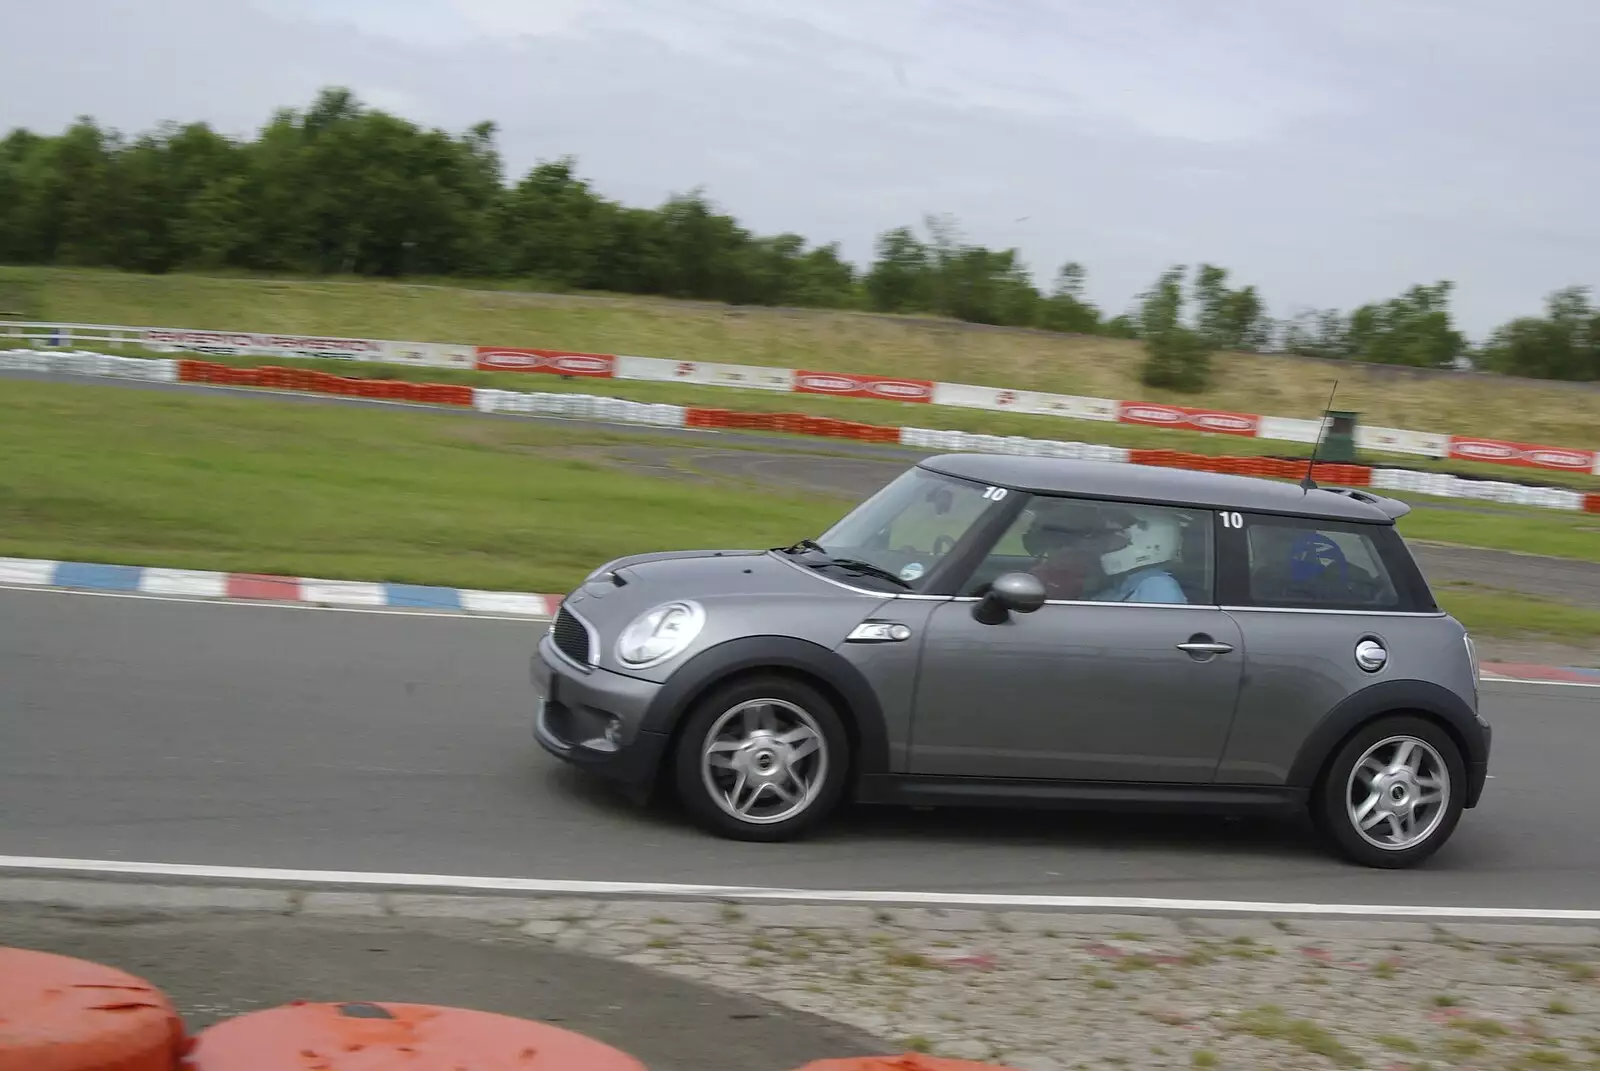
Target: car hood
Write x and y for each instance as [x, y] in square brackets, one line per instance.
[744, 593]
[699, 574]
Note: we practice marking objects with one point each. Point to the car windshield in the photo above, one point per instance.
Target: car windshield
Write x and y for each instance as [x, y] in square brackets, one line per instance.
[896, 538]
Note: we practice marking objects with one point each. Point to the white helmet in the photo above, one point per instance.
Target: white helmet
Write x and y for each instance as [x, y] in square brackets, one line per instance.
[1152, 540]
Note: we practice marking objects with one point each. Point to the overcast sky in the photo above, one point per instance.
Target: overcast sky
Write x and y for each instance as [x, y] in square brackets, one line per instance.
[1330, 151]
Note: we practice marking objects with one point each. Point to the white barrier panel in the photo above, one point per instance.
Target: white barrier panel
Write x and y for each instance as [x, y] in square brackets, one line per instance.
[1444, 485]
[1289, 429]
[1000, 400]
[88, 363]
[704, 373]
[1401, 441]
[578, 407]
[963, 441]
[430, 354]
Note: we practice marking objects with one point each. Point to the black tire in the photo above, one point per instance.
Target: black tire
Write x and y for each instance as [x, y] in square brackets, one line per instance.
[689, 778]
[1330, 799]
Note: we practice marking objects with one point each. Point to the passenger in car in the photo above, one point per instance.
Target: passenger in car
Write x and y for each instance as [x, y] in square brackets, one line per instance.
[1138, 565]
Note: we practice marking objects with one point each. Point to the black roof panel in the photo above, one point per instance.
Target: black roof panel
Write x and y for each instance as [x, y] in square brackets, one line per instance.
[1179, 487]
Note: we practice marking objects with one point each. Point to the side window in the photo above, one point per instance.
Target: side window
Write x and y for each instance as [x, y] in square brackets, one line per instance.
[1311, 564]
[1087, 551]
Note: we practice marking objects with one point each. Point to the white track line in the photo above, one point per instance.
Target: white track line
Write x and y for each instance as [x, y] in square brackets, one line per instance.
[556, 887]
[395, 611]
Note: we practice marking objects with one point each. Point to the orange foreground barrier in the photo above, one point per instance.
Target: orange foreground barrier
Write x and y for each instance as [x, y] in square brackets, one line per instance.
[62, 1014]
[909, 1062]
[391, 1037]
[1591, 503]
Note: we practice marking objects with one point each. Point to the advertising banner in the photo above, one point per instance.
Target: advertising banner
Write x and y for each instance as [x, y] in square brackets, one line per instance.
[1527, 455]
[1289, 429]
[552, 362]
[248, 343]
[1401, 441]
[749, 377]
[1154, 414]
[430, 354]
[844, 385]
[1070, 406]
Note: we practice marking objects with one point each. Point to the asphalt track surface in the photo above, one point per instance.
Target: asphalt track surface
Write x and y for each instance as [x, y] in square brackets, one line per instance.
[271, 736]
[855, 469]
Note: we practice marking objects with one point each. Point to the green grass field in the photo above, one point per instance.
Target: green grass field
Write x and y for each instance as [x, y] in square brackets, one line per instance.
[109, 474]
[1551, 413]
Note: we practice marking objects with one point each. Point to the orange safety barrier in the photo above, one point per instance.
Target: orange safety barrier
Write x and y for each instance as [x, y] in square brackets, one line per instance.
[310, 381]
[1270, 467]
[416, 1037]
[1591, 503]
[911, 1061]
[62, 1014]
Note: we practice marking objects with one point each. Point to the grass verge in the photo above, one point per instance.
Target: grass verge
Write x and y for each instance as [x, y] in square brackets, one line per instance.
[109, 474]
[1552, 413]
[105, 474]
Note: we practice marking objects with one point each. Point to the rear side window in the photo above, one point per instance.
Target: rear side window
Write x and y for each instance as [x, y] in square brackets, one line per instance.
[1305, 563]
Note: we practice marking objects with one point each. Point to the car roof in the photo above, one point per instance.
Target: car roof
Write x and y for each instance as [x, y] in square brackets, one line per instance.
[1179, 487]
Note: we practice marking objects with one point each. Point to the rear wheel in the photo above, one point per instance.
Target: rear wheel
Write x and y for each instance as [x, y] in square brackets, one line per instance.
[762, 759]
[1392, 795]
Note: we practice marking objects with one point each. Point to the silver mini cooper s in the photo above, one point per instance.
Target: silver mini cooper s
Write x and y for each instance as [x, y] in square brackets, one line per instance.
[1031, 631]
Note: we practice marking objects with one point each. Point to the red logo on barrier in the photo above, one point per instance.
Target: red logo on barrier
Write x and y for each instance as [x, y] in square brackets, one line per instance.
[853, 386]
[1526, 455]
[1006, 397]
[1152, 414]
[685, 368]
[1168, 416]
[554, 362]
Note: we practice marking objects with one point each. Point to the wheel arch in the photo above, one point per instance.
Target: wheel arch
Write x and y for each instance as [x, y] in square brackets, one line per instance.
[812, 664]
[1413, 698]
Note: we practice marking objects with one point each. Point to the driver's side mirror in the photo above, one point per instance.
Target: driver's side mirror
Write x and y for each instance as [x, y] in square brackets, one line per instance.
[1020, 593]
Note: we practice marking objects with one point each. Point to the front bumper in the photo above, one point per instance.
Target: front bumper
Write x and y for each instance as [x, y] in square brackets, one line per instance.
[1478, 772]
[574, 709]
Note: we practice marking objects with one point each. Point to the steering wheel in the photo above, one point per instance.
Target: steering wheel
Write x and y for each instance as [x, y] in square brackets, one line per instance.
[943, 545]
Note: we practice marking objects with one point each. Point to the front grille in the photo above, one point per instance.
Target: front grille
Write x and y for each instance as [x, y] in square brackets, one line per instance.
[571, 637]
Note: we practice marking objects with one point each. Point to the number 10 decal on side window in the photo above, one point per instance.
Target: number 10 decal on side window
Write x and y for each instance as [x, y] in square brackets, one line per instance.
[1232, 520]
[994, 494]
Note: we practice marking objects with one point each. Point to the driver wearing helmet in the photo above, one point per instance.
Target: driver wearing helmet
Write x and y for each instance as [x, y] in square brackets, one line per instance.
[1066, 542]
[1137, 565]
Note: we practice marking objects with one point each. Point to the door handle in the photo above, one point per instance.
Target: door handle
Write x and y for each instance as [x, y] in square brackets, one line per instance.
[1210, 648]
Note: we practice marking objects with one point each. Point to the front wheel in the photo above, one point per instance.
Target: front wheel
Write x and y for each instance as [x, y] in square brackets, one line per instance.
[1392, 795]
[762, 759]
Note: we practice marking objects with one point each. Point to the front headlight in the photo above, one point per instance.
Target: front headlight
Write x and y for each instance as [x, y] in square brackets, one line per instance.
[659, 634]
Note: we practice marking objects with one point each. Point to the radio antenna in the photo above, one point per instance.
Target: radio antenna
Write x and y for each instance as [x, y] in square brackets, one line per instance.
[1308, 484]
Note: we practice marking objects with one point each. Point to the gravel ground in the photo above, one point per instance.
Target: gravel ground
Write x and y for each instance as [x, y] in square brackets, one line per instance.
[1043, 992]
[1035, 991]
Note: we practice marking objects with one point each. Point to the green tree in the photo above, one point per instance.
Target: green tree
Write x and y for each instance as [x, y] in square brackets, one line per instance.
[1414, 329]
[1065, 309]
[1177, 357]
[1562, 344]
